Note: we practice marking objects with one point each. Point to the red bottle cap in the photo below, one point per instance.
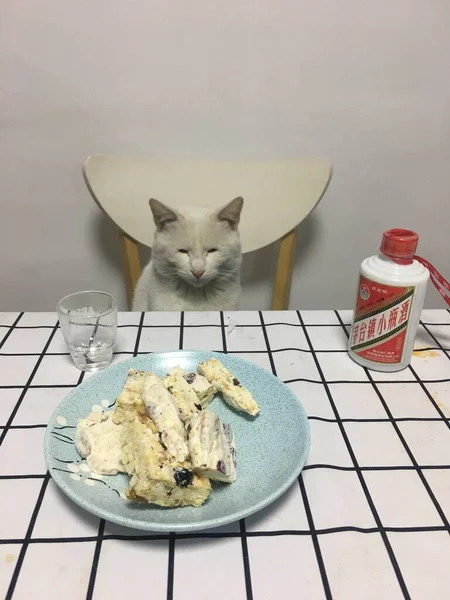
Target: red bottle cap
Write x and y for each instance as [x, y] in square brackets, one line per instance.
[399, 245]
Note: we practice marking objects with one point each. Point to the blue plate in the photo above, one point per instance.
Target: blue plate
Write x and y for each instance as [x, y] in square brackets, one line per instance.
[271, 448]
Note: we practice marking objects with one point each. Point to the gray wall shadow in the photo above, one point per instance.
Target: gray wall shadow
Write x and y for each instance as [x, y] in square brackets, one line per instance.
[259, 267]
[106, 234]
[308, 235]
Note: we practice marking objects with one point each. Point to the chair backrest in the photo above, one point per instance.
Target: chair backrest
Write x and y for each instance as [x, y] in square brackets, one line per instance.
[278, 195]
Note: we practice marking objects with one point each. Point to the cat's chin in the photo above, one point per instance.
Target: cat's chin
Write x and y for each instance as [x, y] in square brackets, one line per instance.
[197, 283]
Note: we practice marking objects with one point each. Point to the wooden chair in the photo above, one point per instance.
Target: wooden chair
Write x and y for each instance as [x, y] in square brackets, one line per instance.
[278, 195]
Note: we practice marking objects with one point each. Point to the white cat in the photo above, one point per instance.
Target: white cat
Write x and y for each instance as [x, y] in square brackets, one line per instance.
[196, 260]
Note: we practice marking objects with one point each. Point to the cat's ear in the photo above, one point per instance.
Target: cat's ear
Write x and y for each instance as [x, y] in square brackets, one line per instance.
[231, 212]
[162, 214]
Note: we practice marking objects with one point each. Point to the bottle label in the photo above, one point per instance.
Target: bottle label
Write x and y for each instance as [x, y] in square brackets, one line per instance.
[381, 320]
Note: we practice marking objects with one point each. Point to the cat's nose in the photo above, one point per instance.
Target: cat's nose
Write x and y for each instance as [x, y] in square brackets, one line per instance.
[197, 272]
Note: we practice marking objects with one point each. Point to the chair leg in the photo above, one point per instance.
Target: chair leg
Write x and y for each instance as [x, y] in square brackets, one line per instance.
[131, 265]
[283, 275]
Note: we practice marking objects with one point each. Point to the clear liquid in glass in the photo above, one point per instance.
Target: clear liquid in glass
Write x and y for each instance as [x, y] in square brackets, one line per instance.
[89, 324]
[91, 358]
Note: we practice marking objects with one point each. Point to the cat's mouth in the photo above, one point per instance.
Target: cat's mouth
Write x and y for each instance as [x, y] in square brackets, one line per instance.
[198, 283]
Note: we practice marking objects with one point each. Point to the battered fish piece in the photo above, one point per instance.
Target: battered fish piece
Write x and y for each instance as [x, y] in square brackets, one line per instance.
[212, 447]
[204, 391]
[162, 409]
[155, 479]
[232, 391]
[129, 403]
[98, 439]
[186, 398]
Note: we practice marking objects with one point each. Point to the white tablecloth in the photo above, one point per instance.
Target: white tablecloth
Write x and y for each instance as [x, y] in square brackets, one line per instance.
[368, 518]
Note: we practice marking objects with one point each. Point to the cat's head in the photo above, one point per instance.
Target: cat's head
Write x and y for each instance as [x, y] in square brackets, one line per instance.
[197, 245]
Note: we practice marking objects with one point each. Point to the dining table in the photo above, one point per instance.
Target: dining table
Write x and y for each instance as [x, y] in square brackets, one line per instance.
[368, 517]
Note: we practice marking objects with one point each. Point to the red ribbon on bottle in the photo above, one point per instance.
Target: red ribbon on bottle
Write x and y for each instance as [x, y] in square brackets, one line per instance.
[437, 279]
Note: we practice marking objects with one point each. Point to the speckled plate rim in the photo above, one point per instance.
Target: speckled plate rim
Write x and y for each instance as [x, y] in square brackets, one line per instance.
[132, 523]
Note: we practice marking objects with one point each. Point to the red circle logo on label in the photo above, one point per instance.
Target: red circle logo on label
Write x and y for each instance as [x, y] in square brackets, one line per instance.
[364, 292]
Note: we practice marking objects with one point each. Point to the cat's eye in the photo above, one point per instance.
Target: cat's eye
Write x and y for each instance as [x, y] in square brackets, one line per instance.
[183, 250]
[211, 250]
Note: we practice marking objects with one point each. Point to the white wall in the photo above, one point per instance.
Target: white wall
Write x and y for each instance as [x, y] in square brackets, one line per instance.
[363, 83]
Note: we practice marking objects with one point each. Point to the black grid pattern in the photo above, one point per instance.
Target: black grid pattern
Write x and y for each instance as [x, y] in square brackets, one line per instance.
[373, 496]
